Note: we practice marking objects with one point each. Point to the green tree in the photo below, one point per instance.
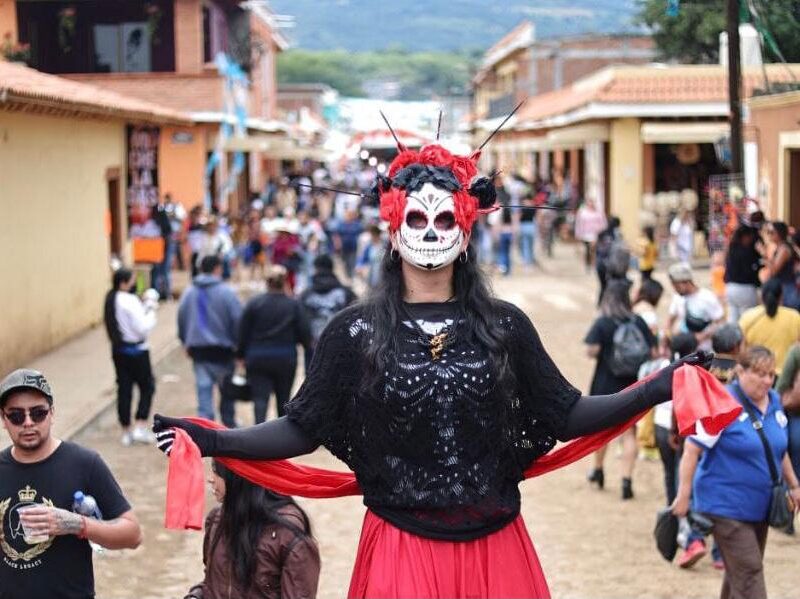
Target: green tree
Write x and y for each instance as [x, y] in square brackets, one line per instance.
[693, 35]
[421, 74]
[331, 67]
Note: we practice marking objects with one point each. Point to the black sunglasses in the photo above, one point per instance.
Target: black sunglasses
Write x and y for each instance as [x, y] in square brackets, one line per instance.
[17, 416]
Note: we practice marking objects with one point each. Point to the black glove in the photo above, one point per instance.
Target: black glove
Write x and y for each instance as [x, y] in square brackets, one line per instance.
[595, 413]
[163, 427]
[659, 388]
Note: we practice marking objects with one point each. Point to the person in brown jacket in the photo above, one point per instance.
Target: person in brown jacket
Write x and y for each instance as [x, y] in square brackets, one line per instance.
[271, 556]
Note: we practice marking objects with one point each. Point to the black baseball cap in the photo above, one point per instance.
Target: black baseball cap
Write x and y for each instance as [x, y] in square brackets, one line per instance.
[25, 378]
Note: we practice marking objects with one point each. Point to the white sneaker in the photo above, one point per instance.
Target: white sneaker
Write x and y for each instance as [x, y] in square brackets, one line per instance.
[126, 439]
[142, 435]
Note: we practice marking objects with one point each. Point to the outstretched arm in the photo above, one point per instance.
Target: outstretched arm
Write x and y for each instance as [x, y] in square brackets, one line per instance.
[598, 412]
[272, 440]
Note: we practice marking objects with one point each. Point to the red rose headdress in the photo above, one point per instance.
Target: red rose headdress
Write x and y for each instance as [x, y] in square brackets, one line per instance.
[472, 195]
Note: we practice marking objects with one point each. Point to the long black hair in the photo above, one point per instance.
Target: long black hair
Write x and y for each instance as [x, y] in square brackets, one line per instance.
[383, 311]
[121, 275]
[247, 509]
[771, 295]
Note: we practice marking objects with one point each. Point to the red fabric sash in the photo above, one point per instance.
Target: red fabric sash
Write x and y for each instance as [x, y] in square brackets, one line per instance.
[698, 396]
[185, 496]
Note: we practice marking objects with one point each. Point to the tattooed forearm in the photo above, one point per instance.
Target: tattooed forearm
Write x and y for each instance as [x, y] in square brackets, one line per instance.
[67, 523]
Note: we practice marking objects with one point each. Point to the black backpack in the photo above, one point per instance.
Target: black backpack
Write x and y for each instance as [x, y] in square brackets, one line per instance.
[629, 349]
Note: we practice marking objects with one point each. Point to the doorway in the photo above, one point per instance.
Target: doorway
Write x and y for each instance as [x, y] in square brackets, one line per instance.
[794, 188]
[115, 212]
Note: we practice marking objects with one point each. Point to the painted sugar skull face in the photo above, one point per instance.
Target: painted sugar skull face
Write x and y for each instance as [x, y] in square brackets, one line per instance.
[429, 236]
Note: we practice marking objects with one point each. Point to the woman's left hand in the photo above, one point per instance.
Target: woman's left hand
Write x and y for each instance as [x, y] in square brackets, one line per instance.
[660, 385]
[795, 495]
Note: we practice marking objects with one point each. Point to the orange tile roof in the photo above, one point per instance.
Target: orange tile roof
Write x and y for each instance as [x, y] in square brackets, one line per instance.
[648, 84]
[25, 86]
[182, 92]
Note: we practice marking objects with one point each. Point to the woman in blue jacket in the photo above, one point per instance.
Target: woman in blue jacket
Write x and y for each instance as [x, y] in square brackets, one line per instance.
[728, 478]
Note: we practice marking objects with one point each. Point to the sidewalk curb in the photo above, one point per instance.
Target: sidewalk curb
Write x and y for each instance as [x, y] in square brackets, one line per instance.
[107, 397]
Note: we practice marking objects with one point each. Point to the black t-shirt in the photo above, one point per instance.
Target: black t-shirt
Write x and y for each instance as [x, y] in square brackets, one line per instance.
[440, 447]
[61, 567]
[604, 381]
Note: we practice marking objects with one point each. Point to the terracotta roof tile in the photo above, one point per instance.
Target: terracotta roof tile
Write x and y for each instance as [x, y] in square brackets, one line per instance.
[188, 93]
[650, 84]
[23, 85]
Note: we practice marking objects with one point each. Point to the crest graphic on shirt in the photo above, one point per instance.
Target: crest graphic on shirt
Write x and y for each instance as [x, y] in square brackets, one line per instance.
[783, 421]
[12, 534]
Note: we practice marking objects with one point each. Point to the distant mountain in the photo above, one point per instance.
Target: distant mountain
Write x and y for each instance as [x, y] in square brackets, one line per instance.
[413, 25]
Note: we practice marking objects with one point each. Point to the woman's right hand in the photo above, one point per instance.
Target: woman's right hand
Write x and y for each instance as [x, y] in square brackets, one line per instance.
[680, 507]
[164, 428]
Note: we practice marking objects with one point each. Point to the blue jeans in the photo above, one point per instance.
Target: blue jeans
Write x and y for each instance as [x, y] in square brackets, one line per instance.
[504, 253]
[527, 241]
[161, 276]
[206, 376]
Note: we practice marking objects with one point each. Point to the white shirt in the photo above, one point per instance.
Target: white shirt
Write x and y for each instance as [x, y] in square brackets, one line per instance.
[133, 320]
[683, 232]
[701, 304]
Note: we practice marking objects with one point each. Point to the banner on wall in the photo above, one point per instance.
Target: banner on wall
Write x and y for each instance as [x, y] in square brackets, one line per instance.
[142, 180]
[142, 194]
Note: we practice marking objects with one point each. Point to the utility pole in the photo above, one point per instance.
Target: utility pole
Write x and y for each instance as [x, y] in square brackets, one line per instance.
[734, 86]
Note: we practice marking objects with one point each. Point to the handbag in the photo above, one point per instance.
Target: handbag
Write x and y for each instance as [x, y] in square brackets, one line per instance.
[695, 324]
[781, 506]
[234, 389]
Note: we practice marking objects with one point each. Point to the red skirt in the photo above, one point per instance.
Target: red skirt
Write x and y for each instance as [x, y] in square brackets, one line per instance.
[393, 563]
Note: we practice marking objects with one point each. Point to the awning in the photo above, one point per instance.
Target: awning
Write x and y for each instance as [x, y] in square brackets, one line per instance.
[255, 123]
[578, 135]
[683, 132]
[564, 138]
[275, 147]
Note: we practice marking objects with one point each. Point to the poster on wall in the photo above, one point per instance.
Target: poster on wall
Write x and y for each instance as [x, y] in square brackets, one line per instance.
[142, 180]
[142, 193]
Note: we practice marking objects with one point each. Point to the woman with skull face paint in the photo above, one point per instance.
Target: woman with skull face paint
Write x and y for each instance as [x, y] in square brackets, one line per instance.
[438, 396]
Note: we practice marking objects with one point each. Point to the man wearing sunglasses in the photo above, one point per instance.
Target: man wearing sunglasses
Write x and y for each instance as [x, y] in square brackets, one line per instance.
[44, 546]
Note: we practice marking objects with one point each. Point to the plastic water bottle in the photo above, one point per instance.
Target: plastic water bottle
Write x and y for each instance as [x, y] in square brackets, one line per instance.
[85, 505]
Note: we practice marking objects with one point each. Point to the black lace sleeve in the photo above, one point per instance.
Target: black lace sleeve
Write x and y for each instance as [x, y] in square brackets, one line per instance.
[324, 401]
[544, 397]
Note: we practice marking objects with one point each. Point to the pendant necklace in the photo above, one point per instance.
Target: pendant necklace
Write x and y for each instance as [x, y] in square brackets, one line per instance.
[436, 344]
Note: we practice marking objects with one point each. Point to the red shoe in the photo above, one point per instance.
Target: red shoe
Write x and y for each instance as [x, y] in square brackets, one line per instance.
[719, 565]
[694, 552]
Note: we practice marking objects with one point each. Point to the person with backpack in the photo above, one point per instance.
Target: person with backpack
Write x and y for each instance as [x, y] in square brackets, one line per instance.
[257, 544]
[621, 342]
[208, 327]
[324, 299]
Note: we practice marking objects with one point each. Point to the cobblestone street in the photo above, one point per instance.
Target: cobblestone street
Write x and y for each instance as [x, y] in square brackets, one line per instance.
[591, 544]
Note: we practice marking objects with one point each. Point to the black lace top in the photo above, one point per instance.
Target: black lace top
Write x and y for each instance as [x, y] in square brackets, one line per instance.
[441, 451]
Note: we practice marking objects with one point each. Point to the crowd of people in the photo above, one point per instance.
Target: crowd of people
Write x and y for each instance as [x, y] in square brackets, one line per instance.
[721, 483]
